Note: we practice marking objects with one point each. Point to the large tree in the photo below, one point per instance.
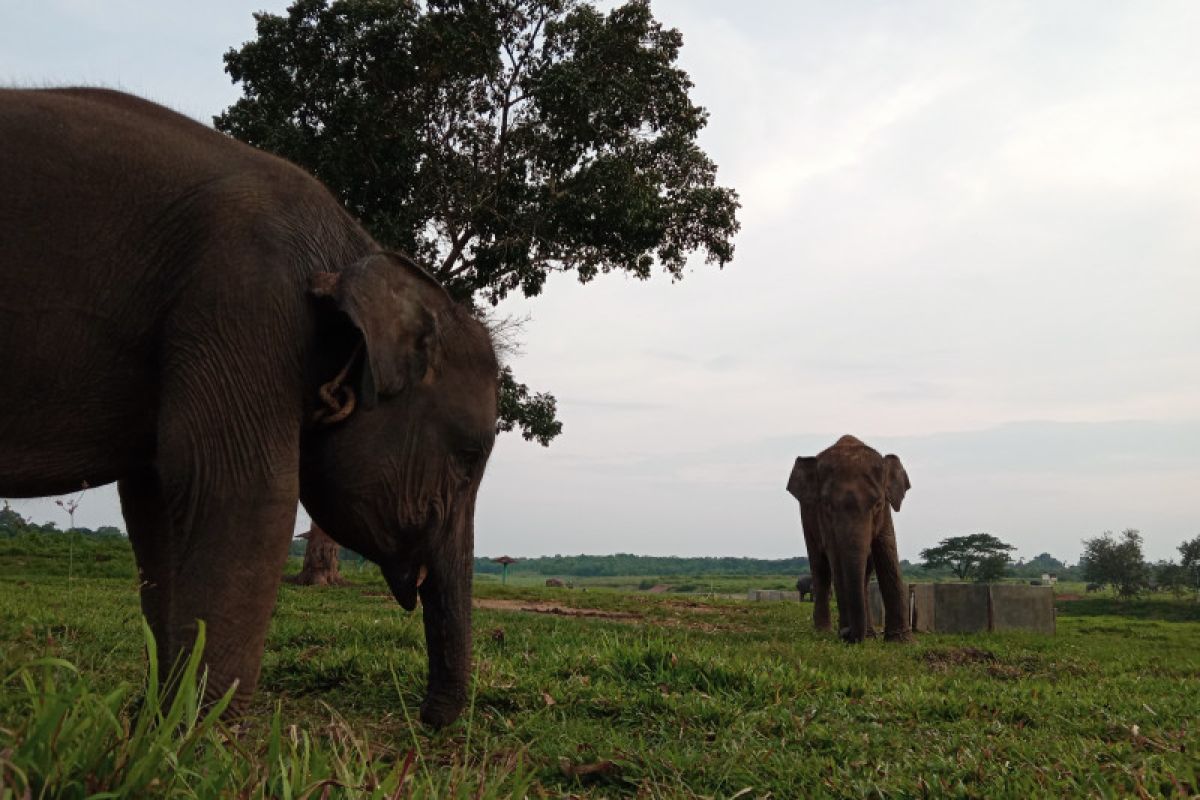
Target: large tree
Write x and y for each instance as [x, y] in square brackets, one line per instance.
[979, 556]
[1107, 559]
[498, 141]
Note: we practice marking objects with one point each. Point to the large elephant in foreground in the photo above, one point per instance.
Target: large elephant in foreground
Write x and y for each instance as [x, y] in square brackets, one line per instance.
[203, 323]
[845, 492]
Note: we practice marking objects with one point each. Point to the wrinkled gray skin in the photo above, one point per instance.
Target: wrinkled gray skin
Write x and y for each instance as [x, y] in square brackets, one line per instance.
[172, 303]
[804, 585]
[845, 492]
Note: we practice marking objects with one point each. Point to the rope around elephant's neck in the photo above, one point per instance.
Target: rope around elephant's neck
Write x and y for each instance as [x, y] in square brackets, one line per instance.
[338, 398]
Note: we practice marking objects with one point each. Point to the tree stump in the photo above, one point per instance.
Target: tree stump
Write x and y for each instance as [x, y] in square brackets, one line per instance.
[320, 561]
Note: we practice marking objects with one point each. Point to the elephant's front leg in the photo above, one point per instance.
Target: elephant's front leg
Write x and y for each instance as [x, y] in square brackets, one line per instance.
[891, 583]
[818, 565]
[226, 568]
[228, 469]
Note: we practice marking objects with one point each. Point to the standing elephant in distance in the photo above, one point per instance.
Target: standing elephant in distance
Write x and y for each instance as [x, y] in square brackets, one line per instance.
[202, 323]
[847, 493]
[804, 585]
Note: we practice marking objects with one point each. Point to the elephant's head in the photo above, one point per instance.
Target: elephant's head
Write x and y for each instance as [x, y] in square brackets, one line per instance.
[396, 477]
[847, 484]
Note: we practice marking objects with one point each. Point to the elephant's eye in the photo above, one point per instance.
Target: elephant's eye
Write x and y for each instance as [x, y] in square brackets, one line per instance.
[473, 454]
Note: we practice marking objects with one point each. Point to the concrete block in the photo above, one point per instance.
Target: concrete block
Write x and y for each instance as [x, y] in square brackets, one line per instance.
[1022, 608]
[765, 595]
[951, 607]
[961, 607]
[922, 607]
[974, 608]
[875, 605]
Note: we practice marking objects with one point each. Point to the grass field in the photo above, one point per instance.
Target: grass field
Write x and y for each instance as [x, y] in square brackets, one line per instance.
[598, 694]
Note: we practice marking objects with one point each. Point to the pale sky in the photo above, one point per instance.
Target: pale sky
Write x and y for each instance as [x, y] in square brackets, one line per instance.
[969, 236]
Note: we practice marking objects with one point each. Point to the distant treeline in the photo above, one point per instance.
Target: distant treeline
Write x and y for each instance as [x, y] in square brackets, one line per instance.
[19, 536]
[13, 524]
[627, 564]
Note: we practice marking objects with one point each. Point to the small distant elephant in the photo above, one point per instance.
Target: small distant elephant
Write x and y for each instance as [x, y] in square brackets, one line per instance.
[845, 492]
[804, 585]
[203, 324]
[555, 582]
[1095, 587]
[1035, 583]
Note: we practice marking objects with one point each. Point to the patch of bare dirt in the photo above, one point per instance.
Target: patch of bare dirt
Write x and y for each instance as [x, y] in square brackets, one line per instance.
[957, 657]
[551, 608]
[942, 660]
[685, 607]
[596, 613]
[695, 607]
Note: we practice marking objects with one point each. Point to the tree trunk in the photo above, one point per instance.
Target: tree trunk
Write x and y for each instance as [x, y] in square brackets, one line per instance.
[320, 561]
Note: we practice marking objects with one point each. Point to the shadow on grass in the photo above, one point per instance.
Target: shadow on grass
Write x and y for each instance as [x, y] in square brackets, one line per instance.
[1183, 610]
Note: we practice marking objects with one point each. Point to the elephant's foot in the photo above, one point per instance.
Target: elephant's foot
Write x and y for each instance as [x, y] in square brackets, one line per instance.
[850, 636]
[441, 710]
[870, 633]
[898, 636]
[823, 628]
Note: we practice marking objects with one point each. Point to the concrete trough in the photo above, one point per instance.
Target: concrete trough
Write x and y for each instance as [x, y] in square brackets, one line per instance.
[1022, 608]
[764, 595]
[977, 608]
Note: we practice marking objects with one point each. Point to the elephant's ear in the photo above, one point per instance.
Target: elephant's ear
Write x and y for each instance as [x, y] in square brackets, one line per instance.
[802, 483]
[896, 480]
[394, 304]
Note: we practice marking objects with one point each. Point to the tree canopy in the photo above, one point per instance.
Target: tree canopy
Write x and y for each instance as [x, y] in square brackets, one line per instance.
[498, 141]
[1169, 576]
[1189, 562]
[979, 556]
[1107, 559]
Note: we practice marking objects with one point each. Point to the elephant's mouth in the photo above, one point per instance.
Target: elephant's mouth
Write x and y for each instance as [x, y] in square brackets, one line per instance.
[404, 579]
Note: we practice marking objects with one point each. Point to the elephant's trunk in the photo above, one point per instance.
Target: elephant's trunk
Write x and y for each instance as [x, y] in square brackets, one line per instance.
[852, 567]
[446, 608]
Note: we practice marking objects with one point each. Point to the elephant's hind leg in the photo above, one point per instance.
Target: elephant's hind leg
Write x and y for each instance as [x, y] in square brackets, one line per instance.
[891, 585]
